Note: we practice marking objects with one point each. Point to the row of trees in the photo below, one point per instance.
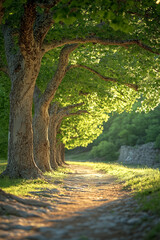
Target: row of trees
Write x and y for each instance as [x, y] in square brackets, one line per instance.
[73, 35]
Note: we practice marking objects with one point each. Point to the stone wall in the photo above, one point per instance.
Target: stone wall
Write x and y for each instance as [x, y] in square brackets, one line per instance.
[144, 154]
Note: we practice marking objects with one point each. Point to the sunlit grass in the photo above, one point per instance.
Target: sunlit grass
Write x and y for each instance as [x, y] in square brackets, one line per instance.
[141, 181]
[144, 183]
[22, 187]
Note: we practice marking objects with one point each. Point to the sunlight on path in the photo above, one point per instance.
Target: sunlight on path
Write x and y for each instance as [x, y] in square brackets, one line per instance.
[88, 206]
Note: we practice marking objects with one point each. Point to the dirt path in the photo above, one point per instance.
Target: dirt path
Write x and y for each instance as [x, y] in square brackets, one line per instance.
[88, 206]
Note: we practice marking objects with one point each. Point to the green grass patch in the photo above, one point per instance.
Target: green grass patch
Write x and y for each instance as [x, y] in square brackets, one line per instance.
[22, 187]
[143, 182]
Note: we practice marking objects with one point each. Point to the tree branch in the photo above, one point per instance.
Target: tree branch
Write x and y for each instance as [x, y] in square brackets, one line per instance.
[69, 107]
[63, 112]
[55, 44]
[26, 30]
[53, 108]
[42, 26]
[79, 112]
[44, 21]
[106, 79]
[59, 74]
[67, 114]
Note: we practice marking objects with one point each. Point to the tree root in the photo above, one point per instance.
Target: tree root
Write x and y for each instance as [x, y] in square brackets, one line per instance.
[13, 205]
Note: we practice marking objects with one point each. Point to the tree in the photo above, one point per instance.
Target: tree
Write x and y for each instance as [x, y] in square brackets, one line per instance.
[43, 27]
[130, 129]
[56, 117]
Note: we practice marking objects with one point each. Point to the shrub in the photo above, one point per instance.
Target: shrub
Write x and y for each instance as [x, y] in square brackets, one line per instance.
[104, 149]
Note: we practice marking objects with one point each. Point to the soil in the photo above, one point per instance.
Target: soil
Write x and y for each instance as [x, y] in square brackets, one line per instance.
[86, 205]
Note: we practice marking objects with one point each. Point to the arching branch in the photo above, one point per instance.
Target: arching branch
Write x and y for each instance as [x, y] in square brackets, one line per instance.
[106, 79]
[65, 111]
[69, 114]
[105, 42]
[69, 107]
[59, 74]
[79, 112]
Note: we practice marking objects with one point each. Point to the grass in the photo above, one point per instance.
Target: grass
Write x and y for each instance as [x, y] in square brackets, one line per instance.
[138, 179]
[142, 181]
[22, 187]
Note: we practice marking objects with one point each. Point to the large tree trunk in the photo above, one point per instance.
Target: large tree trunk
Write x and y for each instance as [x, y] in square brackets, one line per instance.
[23, 72]
[56, 114]
[20, 149]
[58, 154]
[41, 118]
[52, 136]
[63, 153]
[41, 142]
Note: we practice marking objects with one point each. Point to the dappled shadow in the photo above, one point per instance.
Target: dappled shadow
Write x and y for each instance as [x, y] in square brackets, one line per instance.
[116, 219]
[88, 205]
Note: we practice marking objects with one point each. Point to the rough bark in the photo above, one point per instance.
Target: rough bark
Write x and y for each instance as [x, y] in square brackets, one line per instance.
[56, 117]
[23, 69]
[58, 154]
[40, 141]
[52, 135]
[23, 74]
[96, 40]
[41, 116]
[63, 153]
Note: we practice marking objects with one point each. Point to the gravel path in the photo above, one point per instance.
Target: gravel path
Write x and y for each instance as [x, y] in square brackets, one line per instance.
[88, 206]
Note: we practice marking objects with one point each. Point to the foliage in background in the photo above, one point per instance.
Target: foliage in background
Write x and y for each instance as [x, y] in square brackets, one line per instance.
[4, 114]
[126, 129]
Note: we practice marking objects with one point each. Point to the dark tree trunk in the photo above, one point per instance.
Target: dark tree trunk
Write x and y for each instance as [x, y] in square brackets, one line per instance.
[63, 153]
[52, 136]
[41, 142]
[20, 142]
[23, 72]
[41, 118]
[58, 154]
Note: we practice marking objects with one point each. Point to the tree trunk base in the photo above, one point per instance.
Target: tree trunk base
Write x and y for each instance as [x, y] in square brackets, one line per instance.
[24, 173]
[64, 162]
